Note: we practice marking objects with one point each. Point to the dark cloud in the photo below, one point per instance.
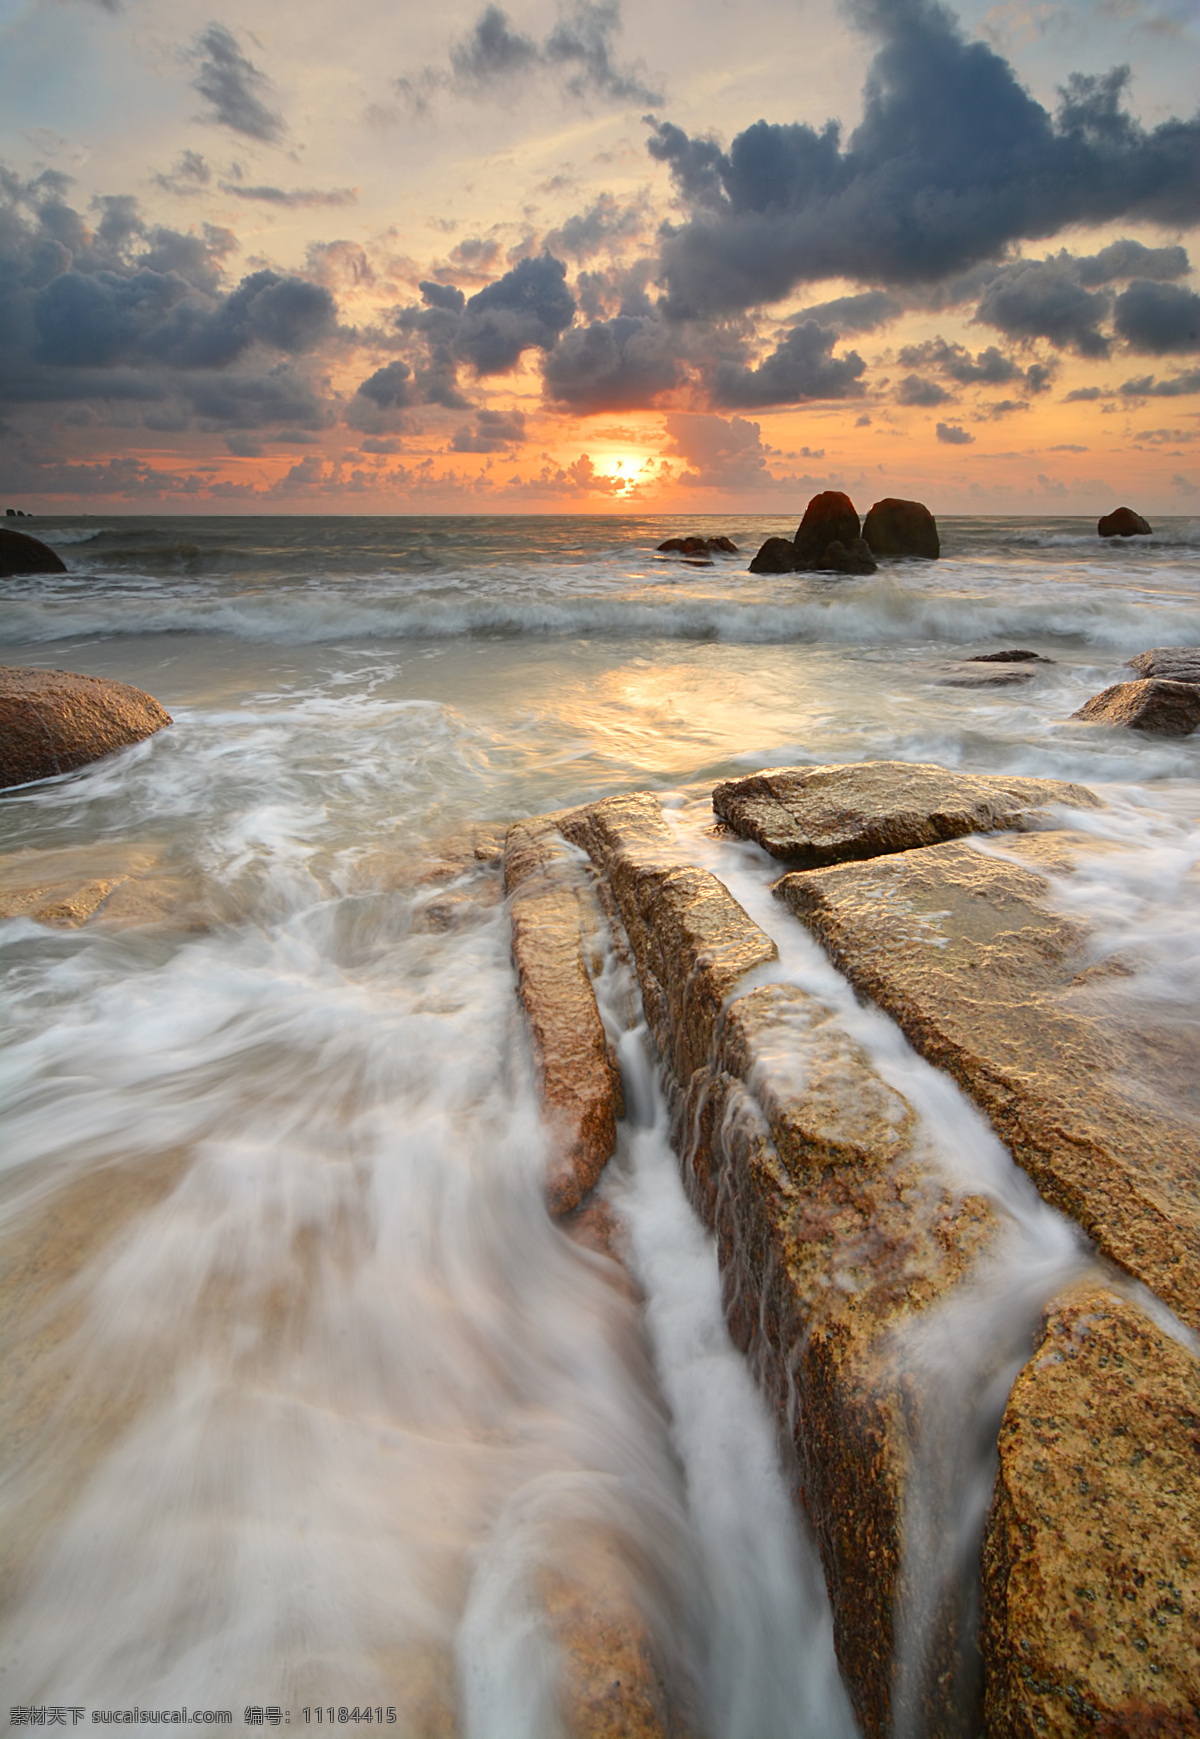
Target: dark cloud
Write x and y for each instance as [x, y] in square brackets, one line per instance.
[442, 296]
[604, 224]
[915, 391]
[293, 196]
[952, 162]
[378, 406]
[190, 174]
[613, 365]
[1160, 319]
[239, 401]
[494, 432]
[525, 309]
[1045, 299]
[953, 435]
[862, 313]
[230, 84]
[803, 367]
[1083, 395]
[990, 367]
[1176, 386]
[494, 57]
[1130, 259]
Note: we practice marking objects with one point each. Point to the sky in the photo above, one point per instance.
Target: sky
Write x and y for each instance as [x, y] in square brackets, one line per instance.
[565, 255]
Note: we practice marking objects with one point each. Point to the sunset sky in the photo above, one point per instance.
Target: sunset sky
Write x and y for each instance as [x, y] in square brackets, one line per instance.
[687, 257]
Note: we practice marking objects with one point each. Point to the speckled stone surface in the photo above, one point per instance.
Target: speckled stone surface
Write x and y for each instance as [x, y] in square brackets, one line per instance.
[1091, 1613]
[54, 721]
[1153, 703]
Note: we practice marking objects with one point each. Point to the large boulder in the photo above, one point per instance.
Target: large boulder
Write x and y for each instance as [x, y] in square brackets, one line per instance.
[777, 556]
[1083, 1078]
[1168, 709]
[901, 528]
[22, 554]
[54, 721]
[819, 815]
[1176, 663]
[1091, 1586]
[829, 518]
[1124, 522]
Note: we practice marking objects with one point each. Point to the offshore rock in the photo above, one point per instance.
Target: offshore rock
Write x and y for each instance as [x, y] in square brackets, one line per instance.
[1012, 655]
[1124, 522]
[1091, 1590]
[828, 518]
[1168, 709]
[556, 918]
[902, 528]
[53, 721]
[777, 556]
[1176, 663]
[695, 545]
[1092, 1091]
[831, 1238]
[821, 815]
[851, 558]
[22, 554]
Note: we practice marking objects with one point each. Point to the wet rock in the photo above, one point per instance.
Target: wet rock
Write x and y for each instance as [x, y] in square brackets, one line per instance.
[777, 556]
[1091, 1592]
[53, 721]
[699, 546]
[902, 528]
[830, 1238]
[1091, 1088]
[1176, 663]
[823, 815]
[969, 674]
[1124, 522]
[1014, 655]
[828, 518]
[691, 941]
[556, 920]
[1168, 709]
[851, 558]
[22, 554]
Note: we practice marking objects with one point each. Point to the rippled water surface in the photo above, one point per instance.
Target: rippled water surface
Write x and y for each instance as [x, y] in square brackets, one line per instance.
[307, 1394]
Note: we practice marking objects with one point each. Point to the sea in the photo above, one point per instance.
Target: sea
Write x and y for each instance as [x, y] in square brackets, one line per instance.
[306, 1393]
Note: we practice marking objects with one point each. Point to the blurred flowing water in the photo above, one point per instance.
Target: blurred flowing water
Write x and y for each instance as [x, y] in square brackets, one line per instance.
[304, 1386]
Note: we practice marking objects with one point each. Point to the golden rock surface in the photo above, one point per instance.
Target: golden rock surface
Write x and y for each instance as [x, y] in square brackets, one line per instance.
[54, 721]
[555, 917]
[1096, 1095]
[812, 816]
[1091, 1611]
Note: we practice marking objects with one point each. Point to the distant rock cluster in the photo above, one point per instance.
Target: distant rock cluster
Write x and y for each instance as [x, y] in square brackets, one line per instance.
[830, 538]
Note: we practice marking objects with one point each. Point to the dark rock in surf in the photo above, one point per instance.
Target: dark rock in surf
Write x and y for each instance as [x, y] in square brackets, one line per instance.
[698, 546]
[902, 528]
[852, 558]
[829, 519]
[1168, 709]
[54, 721]
[1176, 663]
[1124, 522]
[22, 554]
[1016, 655]
[777, 556]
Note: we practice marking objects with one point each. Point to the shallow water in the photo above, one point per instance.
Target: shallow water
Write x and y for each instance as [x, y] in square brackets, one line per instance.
[307, 1388]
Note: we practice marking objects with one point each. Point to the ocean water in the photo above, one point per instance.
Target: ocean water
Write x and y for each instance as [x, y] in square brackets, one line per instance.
[306, 1391]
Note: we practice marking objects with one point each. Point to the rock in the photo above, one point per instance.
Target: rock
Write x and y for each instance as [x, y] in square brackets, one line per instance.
[1093, 1091]
[1091, 1588]
[902, 528]
[822, 815]
[1169, 709]
[969, 675]
[1015, 655]
[777, 556]
[852, 558]
[828, 518]
[556, 916]
[696, 546]
[53, 721]
[22, 554]
[1124, 522]
[1176, 663]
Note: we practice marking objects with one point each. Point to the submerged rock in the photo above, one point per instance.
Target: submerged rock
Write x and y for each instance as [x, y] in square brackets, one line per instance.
[1176, 663]
[823, 815]
[22, 554]
[1169, 709]
[1014, 655]
[556, 919]
[54, 721]
[1091, 1094]
[1124, 522]
[902, 528]
[1091, 1589]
